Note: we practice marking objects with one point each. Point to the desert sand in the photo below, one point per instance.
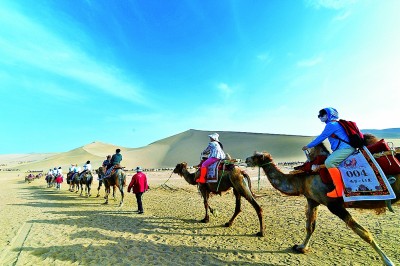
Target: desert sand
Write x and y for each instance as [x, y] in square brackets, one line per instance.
[43, 226]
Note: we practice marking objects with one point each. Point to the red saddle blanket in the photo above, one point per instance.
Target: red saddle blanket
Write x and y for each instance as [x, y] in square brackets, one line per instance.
[323, 172]
[387, 159]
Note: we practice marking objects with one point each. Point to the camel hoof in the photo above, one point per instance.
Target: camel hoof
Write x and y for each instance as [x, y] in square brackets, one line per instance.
[260, 234]
[204, 221]
[228, 225]
[299, 249]
[105, 203]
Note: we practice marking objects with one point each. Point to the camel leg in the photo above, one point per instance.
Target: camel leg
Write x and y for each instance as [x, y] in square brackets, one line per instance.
[98, 189]
[213, 211]
[342, 213]
[237, 208]
[311, 214]
[107, 191]
[205, 194]
[121, 189]
[244, 190]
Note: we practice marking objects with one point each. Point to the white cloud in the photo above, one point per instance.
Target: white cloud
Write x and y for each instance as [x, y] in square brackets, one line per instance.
[24, 42]
[264, 57]
[310, 62]
[225, 89]
[329, 4]
[342, 16]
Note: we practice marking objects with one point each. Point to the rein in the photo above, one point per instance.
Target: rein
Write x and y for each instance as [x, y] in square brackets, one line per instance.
[168, 178]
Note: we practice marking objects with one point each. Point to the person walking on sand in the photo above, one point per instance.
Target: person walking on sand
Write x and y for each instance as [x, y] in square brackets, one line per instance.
[215, 152]
[138, 185]
[341, 149]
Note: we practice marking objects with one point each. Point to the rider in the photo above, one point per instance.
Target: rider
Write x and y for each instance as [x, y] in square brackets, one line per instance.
[59, 171]
[86, 167]
[115, 159]
[71, 168]
[55, 172]
[105, 165]
[341, 149]
[76, 169]
[215, 152]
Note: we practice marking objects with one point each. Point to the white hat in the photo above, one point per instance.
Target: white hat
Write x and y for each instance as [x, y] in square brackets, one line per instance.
[138, 169]
[214, 136]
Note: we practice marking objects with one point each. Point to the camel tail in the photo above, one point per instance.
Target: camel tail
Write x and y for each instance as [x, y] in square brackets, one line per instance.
[248, 182]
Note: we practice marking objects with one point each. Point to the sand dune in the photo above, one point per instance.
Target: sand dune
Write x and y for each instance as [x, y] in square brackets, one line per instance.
[185, 146]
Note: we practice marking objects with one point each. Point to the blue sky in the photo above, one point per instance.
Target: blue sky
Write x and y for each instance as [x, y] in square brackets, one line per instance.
[133, 72]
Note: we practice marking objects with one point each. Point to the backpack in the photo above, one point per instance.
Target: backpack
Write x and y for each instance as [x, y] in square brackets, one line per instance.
[356, 138]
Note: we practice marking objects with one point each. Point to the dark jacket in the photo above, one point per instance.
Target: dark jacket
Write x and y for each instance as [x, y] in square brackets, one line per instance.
[116, 159]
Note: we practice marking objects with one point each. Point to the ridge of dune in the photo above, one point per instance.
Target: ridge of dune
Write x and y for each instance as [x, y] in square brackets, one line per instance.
[185, 146]
[100, 148]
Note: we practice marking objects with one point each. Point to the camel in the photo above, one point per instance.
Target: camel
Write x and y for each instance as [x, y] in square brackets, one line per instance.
[86, 179]
[29, 178]
[101, 173]
[118, 179]
[50, 180]
[70, 182]
[312, 187]
[75, 182]
[236, 179]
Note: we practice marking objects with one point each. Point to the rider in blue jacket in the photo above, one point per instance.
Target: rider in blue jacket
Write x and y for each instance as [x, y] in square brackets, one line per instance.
[340, 149]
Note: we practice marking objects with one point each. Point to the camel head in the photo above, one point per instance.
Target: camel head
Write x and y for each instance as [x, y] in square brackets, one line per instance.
[259, 159]
[179, 168]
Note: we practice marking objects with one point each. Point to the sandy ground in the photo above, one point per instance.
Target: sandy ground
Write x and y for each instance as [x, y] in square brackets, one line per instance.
[43, 226]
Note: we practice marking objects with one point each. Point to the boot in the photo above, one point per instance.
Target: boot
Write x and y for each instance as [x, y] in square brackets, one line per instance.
[337, 181]
[202, 177]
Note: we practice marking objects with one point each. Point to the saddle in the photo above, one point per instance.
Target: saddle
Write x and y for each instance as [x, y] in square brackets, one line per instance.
[317, 165]
[387, 158]
[224, 165]
[112, 170]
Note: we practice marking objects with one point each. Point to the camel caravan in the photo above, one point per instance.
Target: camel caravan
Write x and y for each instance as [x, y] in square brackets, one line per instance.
[312, 179]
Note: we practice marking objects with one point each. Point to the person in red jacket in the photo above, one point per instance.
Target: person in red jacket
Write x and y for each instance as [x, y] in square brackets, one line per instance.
[139, 186]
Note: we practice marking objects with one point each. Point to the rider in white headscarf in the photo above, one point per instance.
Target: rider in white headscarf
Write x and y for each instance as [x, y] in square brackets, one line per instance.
[215, 152]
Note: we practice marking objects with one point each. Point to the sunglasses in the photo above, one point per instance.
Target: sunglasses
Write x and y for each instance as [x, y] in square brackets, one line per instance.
[319, 116]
